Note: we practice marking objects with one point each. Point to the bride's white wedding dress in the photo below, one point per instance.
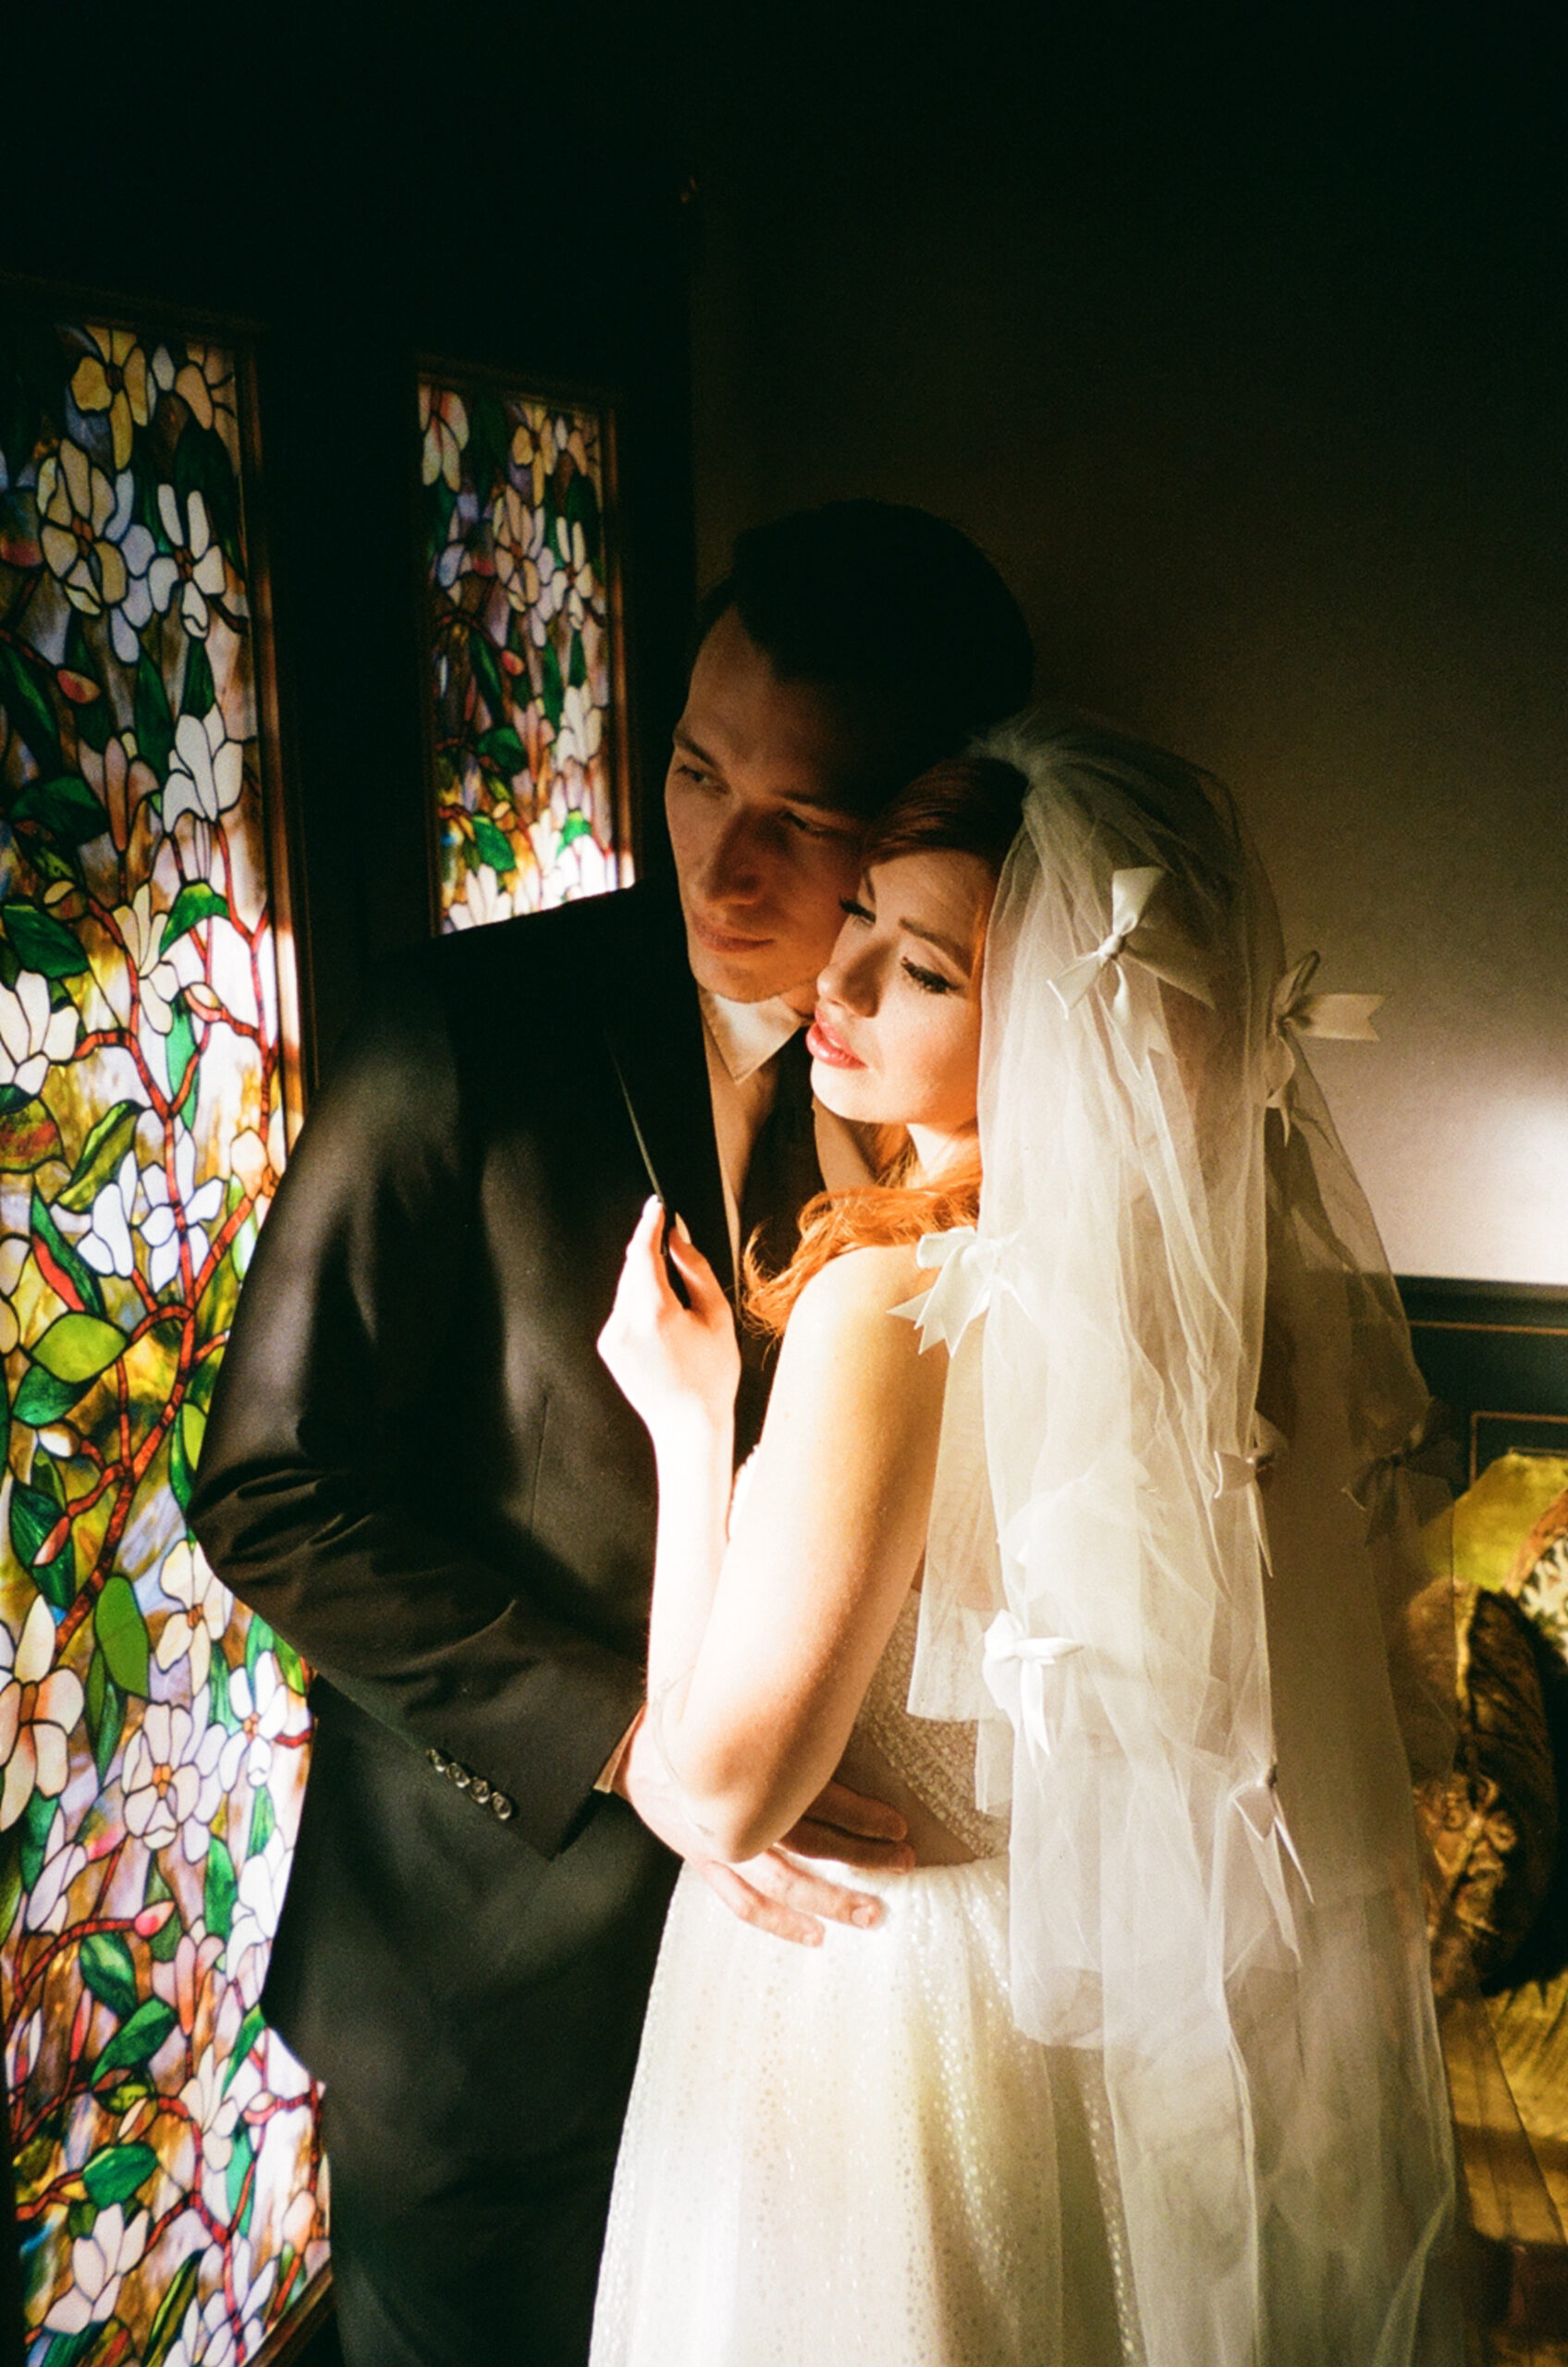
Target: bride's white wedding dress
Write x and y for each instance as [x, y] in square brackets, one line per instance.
[851, 2152]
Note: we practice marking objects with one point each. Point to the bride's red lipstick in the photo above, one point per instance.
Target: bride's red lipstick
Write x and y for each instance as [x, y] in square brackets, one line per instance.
[823, 1045]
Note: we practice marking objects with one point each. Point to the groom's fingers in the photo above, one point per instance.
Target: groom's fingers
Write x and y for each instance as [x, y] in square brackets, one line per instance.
[797, 1887]
[811, 1839]
[846, 1811]
[751, 1904]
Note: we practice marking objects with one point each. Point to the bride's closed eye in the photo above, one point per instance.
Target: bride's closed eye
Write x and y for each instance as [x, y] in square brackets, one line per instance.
[855, 911]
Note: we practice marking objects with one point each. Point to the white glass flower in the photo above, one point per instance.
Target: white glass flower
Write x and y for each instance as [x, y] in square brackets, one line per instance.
[442, 419]
[15, 1251]
[483, 899]
[99, 2263]
[214, 2117]
[157, 978]
[39, 1705]
[181, 1980]
[160, 1225]
[196, 562]
[205, 1606]
[581, 726]
[171, 1782]
[217, 2333]
[82, 516]
[264, 1707]
[32, 1036]
[206, 770]
[112, 376]
[107, 1246]
[48, 1899]
[262, 1880]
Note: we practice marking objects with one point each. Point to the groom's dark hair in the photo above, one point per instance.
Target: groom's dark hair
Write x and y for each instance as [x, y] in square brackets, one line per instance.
[891, 609]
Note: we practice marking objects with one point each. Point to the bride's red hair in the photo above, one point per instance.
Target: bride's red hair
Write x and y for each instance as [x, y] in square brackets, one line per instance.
[968, 805]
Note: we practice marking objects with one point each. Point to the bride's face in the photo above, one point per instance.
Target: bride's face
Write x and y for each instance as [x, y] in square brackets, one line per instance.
[895, 1039]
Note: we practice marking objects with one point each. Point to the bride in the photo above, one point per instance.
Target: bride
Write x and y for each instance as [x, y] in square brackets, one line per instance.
[1048, 1542]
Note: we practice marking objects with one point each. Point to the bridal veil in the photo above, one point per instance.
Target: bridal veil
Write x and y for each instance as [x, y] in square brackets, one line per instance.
[1172, 1585]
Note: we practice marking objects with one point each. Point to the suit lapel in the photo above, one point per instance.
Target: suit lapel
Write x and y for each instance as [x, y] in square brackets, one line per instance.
[653, 1027]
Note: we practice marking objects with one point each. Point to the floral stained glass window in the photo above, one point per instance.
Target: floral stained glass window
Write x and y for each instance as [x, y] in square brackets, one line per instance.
[151, 1733]
[524, 651]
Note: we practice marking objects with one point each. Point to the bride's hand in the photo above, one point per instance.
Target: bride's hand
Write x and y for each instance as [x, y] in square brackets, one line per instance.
[670, 1360]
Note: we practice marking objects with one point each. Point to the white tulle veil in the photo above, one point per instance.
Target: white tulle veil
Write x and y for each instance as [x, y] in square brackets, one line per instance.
[1193, 1387]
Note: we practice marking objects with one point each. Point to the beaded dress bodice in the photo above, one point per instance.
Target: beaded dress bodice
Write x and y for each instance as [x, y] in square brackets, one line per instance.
[934, 1756]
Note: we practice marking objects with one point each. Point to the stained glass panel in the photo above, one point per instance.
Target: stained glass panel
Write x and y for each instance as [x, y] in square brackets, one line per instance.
[151, 1733]
[523, 627]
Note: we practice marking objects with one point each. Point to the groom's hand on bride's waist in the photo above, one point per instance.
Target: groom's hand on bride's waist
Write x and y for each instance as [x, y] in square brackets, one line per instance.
[774, 1891]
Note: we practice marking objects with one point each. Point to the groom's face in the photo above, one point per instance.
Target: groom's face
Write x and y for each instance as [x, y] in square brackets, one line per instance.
[758, 797]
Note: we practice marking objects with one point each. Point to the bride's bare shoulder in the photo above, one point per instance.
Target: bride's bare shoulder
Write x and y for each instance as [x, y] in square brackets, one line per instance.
[858, 1290]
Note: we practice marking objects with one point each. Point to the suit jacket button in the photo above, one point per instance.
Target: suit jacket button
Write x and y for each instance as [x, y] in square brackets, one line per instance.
[480, 1790]
[501, 1807]
[459, 1776]
[438, 1762]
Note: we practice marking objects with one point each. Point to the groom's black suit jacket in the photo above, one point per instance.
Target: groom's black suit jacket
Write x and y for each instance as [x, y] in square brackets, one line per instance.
[417, 1469]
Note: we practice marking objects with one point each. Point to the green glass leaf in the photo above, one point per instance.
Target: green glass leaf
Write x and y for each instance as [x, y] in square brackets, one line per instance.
[577, 665]
[114, 2177]
[95, 725]
[197, 696]
[502, 751]
[43, 943]
[487, 674]
[239, 2164]
[36, 1820]
[29, 711]
[164, 1941]
[65, 805]
[136, 2040]
[33, 1515]
[222, 1889]
[291, 1668]
[258, 1639]
[100, 1156]
[42, 1399]
[182, 1478]
[109, 1970]
[10, 1892]
[179, 1046]
[192, 1428]
[169, 2316]
[55, 1580]
[66, 1272]
[154, 724]
[576, 825]
[495, 847]
[551, 691]
[110, 1726]
[194, 902]
[583, 510]
[28, 1137]
[263, 1822]
[79, 1347]
[245, 2038]
[71, 2350]
[122, 1635]
[220, 1708]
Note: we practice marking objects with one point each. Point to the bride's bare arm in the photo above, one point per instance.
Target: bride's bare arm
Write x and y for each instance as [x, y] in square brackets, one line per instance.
[761, 1652]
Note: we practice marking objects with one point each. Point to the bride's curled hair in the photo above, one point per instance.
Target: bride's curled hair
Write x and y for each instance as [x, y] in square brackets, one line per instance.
[966, 805]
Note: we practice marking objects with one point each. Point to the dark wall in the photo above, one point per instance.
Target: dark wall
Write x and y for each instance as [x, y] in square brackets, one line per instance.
[487, 185]
[1236, 335]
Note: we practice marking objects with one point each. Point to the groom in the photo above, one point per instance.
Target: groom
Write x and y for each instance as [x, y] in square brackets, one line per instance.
[418, 1471]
